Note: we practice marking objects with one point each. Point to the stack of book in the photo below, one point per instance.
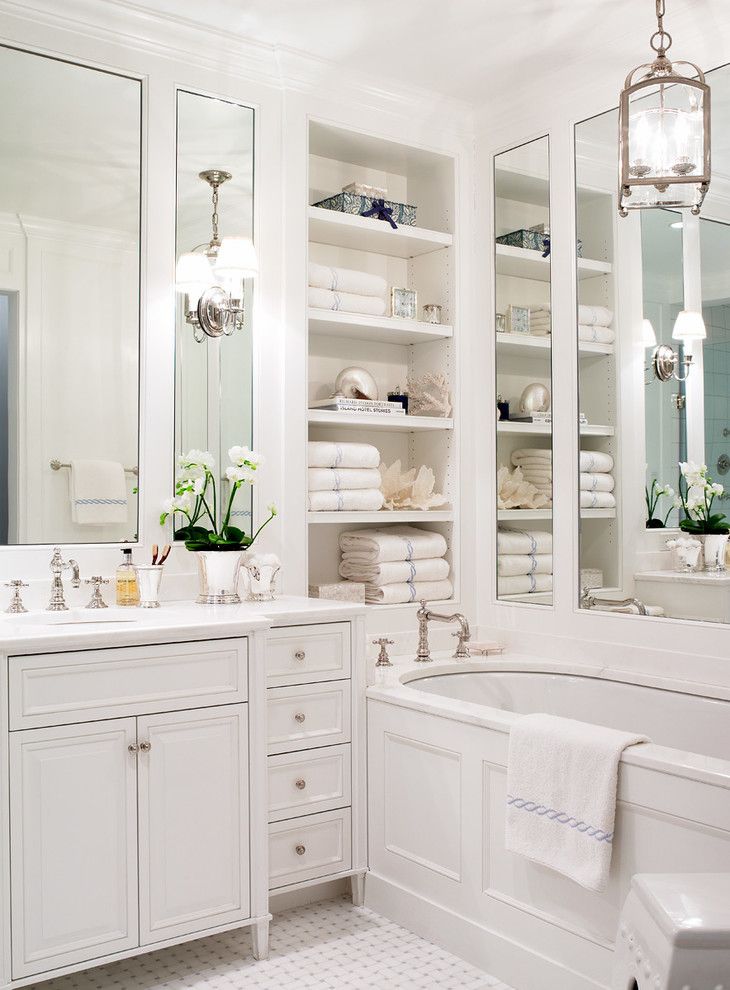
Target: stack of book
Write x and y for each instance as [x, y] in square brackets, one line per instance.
[339, 403]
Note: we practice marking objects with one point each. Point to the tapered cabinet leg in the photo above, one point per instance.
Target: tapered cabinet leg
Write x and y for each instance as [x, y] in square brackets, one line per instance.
[357, 887]
[260, 937]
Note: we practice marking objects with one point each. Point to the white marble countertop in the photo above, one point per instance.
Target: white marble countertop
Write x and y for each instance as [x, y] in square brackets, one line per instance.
[80, 628]
[717, 579]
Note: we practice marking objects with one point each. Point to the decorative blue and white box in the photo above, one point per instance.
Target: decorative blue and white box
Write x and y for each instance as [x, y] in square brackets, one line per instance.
[403, 214]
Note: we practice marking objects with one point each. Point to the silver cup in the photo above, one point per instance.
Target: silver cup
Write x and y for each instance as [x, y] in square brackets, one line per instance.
[149, 578]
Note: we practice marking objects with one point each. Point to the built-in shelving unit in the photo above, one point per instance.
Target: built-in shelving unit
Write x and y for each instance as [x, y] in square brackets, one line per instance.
[391, 349]
[525, 263]
[545, 429]
[521, 344]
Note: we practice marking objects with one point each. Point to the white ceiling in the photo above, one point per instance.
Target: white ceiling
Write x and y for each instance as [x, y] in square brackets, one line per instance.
[466, 49]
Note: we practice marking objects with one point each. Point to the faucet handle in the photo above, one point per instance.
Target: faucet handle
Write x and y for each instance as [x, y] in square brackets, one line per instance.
[383, 659]
[16, 602]
[96, 598]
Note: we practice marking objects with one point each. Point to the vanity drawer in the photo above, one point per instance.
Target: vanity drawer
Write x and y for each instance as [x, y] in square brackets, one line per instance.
[308, 848]
[59, 688]
[306, 654]
[306, 783]
[303, 717]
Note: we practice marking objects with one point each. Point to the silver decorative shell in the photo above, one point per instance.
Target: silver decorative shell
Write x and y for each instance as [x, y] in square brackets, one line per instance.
[356, 383]
[535, 398]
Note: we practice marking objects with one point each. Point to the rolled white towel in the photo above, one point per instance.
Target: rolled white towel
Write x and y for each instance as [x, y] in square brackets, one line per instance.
[539, 473]
[397, 594]
[520, 541]
[395, 571]
[524, 584]
[596, 334]
[342, 479]
[515, 564]
[346, 302]
[597, 500]
[596, 482]
[325, 454]
[373, 546]
[590, 315]
[540, 320]
[531, 453]
[595, 462]
[367, 500]
[346, 280]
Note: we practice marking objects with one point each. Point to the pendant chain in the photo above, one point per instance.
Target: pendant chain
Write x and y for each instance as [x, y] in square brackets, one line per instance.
[214, 218]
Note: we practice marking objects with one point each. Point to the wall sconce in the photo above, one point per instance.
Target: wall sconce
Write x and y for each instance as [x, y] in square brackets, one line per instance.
[664, 132]
[211, 275]
[666, 362]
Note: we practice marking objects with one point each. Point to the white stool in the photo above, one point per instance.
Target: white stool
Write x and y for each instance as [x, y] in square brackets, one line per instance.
[674, 933]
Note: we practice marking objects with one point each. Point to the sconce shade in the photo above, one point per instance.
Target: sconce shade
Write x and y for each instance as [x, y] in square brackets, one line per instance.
[689, 326]
[236, 258]
[193, 273]
[648, 337]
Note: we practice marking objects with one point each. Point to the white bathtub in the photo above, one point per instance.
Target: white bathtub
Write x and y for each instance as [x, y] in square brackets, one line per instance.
[438, 742]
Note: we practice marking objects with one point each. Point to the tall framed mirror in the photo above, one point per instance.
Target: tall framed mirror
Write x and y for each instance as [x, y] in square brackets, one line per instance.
[213, 364]
[523, 343]
[70, 179]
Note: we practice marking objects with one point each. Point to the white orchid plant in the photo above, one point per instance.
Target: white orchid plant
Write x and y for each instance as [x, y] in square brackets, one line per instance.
[697, 493]
[196, 498]
[652, 494]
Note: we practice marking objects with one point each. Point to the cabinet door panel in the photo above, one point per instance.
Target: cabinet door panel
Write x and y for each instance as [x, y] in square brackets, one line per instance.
[74, 844]
[193, 821]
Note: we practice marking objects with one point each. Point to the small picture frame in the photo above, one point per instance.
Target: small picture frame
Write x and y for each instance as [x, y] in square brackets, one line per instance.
[518, 319]
[403, 303]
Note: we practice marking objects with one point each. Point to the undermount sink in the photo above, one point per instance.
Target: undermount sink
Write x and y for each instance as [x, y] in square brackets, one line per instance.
[75, 617]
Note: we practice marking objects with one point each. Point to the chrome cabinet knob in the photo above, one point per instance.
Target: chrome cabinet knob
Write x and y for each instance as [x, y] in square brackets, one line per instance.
[299, 717]
[300, 784]
[299, 849]
[145, 747]
[300, 655]
[133, 747]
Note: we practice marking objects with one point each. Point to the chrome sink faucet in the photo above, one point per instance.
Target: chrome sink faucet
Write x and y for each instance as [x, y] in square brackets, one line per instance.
[58, 566]
[424, 614]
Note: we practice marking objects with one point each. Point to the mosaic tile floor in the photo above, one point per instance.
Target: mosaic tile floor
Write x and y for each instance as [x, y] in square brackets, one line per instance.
[327, 946]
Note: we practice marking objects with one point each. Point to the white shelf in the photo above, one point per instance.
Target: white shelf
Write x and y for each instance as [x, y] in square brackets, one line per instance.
[383, 516]
[597, 430]
[367, 234]
[386, 329]
[524, 263]
[535, 596]
[378, 421]
[598, 513]
[541, 429]
[521, 344]
[533, 515]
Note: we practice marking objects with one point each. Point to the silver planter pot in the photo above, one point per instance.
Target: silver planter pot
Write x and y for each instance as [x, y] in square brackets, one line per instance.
[218, 575]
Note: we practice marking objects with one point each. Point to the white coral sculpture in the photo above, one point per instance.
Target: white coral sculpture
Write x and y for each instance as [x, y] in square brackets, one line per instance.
[428, 395]
[409, 489]
[513, 492]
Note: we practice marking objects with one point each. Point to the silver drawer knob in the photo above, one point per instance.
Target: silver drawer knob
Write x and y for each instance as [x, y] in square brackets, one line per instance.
[300, 849]
[300, 784]
[145, 747]
[300, 655]
[299, 717]
[133, 747]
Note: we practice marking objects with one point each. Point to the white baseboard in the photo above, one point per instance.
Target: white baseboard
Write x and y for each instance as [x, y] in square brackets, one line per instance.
[515, 964]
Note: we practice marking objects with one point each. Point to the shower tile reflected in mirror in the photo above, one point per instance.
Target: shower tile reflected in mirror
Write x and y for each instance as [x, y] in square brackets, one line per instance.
[213, 376]
[523, 342]
[70, 180]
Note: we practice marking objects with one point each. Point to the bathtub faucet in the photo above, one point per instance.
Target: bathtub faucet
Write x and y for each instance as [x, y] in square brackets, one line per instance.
[587, 600]
[424, 614]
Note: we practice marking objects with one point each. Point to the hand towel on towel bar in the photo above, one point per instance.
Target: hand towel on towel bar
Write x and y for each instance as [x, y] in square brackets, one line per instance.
[523, 541]
[98, 492]
[598, 315]
[561, 794]
[596, 334]
[596, 482]
[346, 302]
[365, 500]
[324, 454]
[346, 280]
[519, 564]
[398, 594]
[342, 479]
[524, 584]
[375, 546]
[395, 571]
[597, 500]
[595, 462]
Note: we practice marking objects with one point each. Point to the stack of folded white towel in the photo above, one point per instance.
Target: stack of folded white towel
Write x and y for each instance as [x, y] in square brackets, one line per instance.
[343, 477]
[536, 464]
[524, 561]
[596, 481]
[397, 564]
[594, 325]
[347, 290]
[540, 321]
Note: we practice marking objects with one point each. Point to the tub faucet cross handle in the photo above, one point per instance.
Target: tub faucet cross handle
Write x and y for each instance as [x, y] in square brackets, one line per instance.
[383, 658]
